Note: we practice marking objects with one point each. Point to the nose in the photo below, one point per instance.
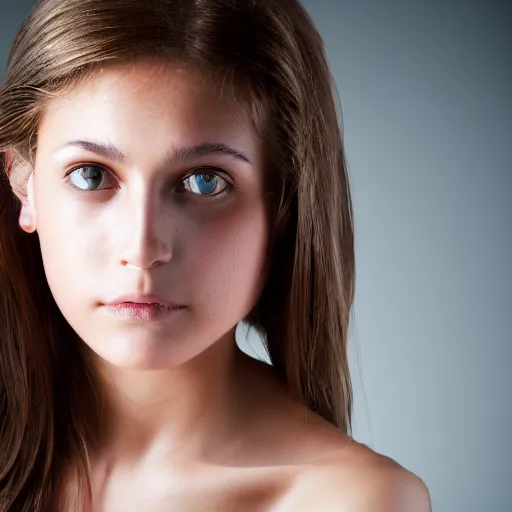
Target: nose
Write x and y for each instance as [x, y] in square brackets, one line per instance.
[147, 233]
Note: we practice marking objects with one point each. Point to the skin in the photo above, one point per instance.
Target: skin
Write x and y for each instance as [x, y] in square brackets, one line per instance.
[193, 420]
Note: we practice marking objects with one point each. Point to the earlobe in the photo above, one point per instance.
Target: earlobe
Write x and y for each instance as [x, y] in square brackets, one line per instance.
[27, 219]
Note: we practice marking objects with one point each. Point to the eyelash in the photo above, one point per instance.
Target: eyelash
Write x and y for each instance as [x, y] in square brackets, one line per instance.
[200, 170]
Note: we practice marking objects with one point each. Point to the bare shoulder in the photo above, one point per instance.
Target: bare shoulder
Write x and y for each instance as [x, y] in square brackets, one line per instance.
[359, 480]
[330, 470]
[377, 483]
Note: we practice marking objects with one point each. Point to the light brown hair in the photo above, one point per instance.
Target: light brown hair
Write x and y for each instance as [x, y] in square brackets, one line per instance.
[268, 56]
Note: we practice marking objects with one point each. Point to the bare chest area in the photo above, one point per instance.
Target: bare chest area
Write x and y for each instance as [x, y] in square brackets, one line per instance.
[218, 490]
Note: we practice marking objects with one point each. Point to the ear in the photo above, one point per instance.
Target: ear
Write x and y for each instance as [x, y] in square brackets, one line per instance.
[21, 180]
[27, 220]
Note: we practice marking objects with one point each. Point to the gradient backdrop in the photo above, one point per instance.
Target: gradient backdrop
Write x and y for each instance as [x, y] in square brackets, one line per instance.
[425, 89]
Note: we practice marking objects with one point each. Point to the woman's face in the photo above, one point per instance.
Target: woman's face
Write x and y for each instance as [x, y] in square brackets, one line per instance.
[163, 196]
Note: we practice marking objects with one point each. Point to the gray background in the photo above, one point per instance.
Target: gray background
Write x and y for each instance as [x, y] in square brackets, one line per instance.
[425, 89]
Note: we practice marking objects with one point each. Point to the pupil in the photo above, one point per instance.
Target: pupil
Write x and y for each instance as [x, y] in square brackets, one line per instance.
[207, 180]
[88, 177]
[90, 173]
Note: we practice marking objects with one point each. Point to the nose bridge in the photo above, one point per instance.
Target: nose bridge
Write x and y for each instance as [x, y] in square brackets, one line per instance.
[148, 238]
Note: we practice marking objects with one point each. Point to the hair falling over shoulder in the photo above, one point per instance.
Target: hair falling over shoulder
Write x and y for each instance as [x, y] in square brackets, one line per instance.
[268, 56]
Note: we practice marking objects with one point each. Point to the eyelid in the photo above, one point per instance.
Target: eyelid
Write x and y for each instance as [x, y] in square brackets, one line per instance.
[83, 166]
[213, 170]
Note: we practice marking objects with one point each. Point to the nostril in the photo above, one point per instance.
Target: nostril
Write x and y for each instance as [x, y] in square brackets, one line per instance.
[124, 263]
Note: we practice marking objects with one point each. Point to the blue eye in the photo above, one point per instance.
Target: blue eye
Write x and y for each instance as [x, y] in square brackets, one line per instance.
[88, 177]
[206, 183]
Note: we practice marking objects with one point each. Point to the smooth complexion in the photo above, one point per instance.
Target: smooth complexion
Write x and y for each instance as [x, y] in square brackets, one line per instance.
[163, 195]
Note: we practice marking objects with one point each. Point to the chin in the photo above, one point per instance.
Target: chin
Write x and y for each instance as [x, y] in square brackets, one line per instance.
[139, 356]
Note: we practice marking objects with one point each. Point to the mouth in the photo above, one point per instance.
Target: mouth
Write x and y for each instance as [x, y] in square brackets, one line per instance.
[143, 312]
[161, 304]
[146, 298]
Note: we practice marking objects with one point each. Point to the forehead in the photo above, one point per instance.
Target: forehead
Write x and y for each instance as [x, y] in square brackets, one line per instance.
[146, 100]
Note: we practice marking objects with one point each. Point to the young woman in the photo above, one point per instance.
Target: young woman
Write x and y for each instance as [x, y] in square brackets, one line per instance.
[176, 167]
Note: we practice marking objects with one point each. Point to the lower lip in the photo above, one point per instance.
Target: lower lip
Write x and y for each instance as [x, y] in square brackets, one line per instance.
[143, 312]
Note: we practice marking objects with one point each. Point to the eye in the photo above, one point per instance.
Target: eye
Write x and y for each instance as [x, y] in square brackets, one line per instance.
[89, 178]
[207, 183]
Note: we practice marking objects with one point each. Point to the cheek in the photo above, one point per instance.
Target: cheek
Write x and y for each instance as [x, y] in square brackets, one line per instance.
[227, 259]
[69, 248]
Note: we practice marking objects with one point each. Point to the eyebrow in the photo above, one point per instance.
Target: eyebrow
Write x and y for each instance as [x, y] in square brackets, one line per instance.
[186, 153]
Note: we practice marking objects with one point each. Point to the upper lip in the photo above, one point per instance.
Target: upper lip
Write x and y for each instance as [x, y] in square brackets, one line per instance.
[142, 299]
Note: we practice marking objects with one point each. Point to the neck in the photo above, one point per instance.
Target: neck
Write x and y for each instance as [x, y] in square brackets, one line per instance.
[188, 411]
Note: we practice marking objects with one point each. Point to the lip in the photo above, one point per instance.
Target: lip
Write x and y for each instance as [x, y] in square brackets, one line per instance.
[143, 299]
[141, 312]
